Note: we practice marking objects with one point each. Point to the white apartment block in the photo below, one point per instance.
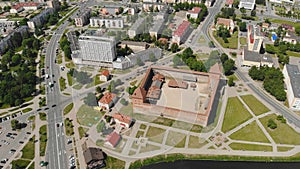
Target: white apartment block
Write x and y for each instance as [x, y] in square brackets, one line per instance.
[247, 4]
[291, 75]
[107, 22]
[283, 1]
[97, 48]
[83, 19]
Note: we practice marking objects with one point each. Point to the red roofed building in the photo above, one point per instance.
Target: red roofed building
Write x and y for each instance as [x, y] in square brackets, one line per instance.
[182, 32]
[105, 76]
[194, 12]
[112, 139]
[25, 6]
[122, 119]
[229, 3]
[108, 100]
[227, 23]
[288, 27]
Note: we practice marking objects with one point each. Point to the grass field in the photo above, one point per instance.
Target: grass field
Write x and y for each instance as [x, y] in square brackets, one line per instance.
[251, 132]
[176, 139]
[43, 139]
[235, 114]
[250, 147]
[295, 54]
[113, 163]
[82, 131]
[243, 41]
[87, 116]
[255, 105]
[155, 134]
[20, 163]
[148, 148]
[295, 24]
[139, 134]
[28, 149]
[196, 142]
[232, 41]
[68, 108]
[282, 149]
[283, 134]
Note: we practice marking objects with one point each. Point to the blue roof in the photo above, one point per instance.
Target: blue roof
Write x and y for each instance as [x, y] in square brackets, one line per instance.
[274, 36]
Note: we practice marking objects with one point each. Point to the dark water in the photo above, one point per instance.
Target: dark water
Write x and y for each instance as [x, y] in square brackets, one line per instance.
[205, 164]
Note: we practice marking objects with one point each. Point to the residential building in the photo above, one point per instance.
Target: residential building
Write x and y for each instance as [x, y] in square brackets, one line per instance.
[193, 13]
[105, 76]
[137, 28]
[291, 37]
[162, 14]
[107, 22]
[6, 26]
[247, 4]
[147, 6]
[94, 158]
[250, 58]
[25, 6]
[227, 23]
[110, 9]
[291, 75]
[112, 139]
[6, 42]
[40, 19]
[255, 38]
[209, 3]
[53, 4]
[107, 100]
[131, 60]
[288, 27]
[169, 1]
[95, 48]
[135, 46]
[283, 1]
[83, 19]
[181, 34]
[157, 28]
[229, 3]
[122, 120]
[150, 1]
[265, 26]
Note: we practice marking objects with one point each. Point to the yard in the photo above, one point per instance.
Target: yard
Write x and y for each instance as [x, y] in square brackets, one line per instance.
[235, 114]
[232, 41]
[87, 116]
[283, 134]
[196, 142]
[250, 147]
[176, 139]
[28, 149]
[255, 105]
[251, 132]
[155, 134]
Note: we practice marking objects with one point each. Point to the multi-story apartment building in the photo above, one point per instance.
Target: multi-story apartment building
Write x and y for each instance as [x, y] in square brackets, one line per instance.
[247, 4]
[83, 19]
[291, 75]
[137, 28]
[107, 22]
[255, 38]
[181, 34]
[6, 42]
[157, 28]
[25, 6]
[39, 19]
[6, 26]
[96, 48]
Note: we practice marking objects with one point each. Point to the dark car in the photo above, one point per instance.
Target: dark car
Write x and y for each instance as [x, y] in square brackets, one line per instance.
[28, 133]
[21, 142]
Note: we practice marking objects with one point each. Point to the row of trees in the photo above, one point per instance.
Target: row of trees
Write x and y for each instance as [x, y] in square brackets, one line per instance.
[272, 80]
[190, 60]
[65, 46]
[228, 64]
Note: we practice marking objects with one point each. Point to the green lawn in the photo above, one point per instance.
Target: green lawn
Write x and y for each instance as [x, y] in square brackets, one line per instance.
[196, 142]
[232, 41]
[28, 149]
[100, 126]
[282, 149]
[143, 126]
[31, 166]
[26, 110]
[176, 139]
[69, 127]
[251, 132]
[255, 105]
[43, 116]
[62, 84]
[32, 119]
[78, 86]
[87, 116]
[68, 108]
[139, 134]
[43, 139]
[82, 131]
[70, 79]
[235, 114]
[155, 134]
[113, 163]
[243, 41]
[295, 24]
[250, 147]
[20, 163]
[283, 134]
[295, 54]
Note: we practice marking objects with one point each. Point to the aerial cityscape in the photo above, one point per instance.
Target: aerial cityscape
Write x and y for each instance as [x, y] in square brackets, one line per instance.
[152, 84]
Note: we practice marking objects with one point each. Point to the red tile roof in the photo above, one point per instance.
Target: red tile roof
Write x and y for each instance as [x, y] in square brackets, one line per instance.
[107, 98]
[19, 5]
[195, 10]
[113, 138]
[224, 21]
[105, 73]
[139, 93]
[229, 2]
[181, 28]
[122, 118]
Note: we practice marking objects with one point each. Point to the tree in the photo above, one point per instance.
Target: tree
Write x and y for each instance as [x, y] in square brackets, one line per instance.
[243, 10]
[230, 81]
[228, 67]
[112, 86]
[253, 13]
[297, 29]
[90, 99]
[177, 61]
[98, 89]
[174, 47]
[224, 58]
[261, 2]
[16, 59]
[15, 124]
[243, 26]
[272, 124]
